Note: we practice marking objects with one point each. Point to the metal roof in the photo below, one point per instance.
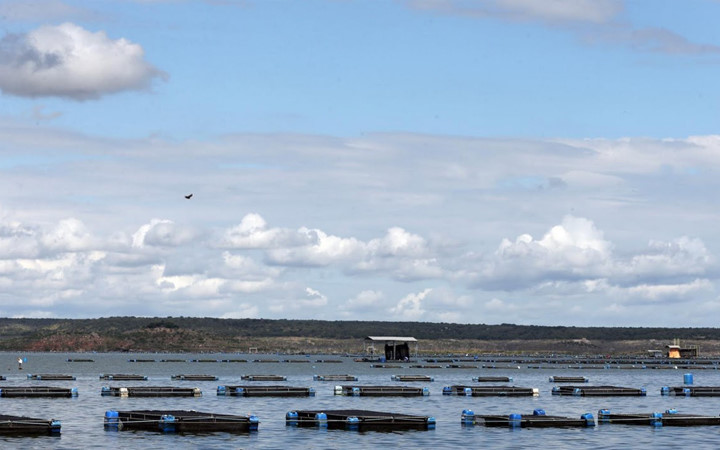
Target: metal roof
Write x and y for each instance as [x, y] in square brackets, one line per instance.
[391, 338]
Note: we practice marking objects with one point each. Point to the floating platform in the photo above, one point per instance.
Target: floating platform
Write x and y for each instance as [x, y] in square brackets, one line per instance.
[361, 420]
[493, 379]
[331, 361]
[426, 366]
[179, 421]
[381, 391]
[20, 425]
[123, 377]
[266, 391]
[263, 378]
[569, 379]
[37, 391]
[538, 419]
[412, 378]
[491, 391]
[669, 418]
[142, 360]
[335, 378]
[598, 391]
[184, 377]
[84, 360]
[50, 377]
[460, 366]
[150, 391]
[386, 366]
[691, 391]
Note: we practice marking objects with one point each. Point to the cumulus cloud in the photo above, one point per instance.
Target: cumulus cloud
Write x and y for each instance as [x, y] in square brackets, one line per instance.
[161, 233]
[575, 257]
[68, 61]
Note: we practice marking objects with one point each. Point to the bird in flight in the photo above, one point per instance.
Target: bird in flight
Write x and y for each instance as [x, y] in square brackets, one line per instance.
[189, 196]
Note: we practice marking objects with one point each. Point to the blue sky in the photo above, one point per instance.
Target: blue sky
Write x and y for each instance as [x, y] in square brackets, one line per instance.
[440, 160]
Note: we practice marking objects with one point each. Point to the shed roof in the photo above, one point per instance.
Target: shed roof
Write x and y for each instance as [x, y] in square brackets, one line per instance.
[391, 338]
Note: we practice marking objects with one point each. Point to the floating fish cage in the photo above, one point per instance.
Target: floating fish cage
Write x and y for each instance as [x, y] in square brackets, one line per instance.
[123, 377]
[598, 391]
[335, 378]
[460, 366]
[36, 391]
[50, 377]
[538, 419]
[411, 378]
[142, 360]
[179, 421]
[691, 391]
[361, 420]
[20, 425]
[263, 378]
[266, 391]
[386, 366]
[150, 391]
[331, 361]
[492, 379]
[381, 391]
[490, 391]
[83, 360]
[669, 418]
[426, 366]
[569, 379]
[184, 377]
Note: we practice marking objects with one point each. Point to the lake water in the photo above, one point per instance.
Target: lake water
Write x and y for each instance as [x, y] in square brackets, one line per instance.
[82, 417]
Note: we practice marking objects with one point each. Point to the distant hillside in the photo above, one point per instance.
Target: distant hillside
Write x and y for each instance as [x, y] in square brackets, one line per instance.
[198, 334]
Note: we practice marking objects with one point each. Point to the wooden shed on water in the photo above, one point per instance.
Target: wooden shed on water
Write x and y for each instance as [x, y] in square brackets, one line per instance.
[396, 348]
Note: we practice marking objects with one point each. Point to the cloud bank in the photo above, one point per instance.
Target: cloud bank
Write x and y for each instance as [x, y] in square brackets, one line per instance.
[70, 62]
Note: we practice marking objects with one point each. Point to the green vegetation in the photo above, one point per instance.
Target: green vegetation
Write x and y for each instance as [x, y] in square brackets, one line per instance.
[212, 334]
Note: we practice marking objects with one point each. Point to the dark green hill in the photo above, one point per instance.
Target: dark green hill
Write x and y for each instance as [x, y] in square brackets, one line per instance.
[193, 333]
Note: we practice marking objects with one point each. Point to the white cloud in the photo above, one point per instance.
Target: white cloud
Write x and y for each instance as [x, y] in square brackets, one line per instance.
[68, 61]
[591, 20]
[161, 233]
[410, 307]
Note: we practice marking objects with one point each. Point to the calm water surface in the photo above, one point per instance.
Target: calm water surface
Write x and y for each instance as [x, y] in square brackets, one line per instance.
[82, 417]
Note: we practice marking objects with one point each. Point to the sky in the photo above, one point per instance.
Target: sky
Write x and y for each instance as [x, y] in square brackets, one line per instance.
[550, 162]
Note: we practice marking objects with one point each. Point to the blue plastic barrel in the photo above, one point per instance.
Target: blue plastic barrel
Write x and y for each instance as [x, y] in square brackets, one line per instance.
[656, 419]
[604, 416]
[665, 390]
[687, 392]
[254, 422]
[688, 378]
[515, 420]
[431, 423]
[468, 391]
[352, 423]
[467, 417]
[167, 423]
[112, 420]
[321, 420]
[55, 426]
[291, 418]
[447, 390]
[538, 412]
[221, 390]
[589, 419]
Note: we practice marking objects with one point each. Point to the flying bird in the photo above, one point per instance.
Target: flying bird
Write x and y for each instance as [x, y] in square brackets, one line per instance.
[189, 196]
